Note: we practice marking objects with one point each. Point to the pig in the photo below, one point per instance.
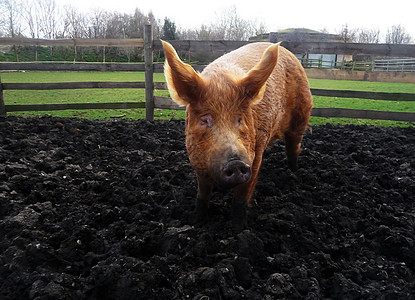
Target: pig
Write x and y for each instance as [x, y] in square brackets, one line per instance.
[235, 109]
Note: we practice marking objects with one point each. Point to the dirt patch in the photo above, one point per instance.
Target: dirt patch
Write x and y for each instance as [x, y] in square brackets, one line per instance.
[103, 209]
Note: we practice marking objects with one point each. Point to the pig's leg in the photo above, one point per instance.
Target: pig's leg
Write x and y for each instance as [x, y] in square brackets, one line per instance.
[293, 149]
[239, 208]
[242, 197]
[203, 198]
[298, 124]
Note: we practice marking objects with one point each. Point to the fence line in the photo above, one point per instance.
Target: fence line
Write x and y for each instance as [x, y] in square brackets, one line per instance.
[394, 65]
[75, 106]
[158, 68]
[167, 103]
[220, 47]
[78, 42]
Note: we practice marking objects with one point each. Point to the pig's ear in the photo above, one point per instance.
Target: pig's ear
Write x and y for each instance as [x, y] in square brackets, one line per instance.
[253, 84]
[185, 85]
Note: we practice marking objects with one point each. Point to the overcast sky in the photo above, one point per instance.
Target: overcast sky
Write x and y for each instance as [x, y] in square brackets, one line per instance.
[314, 14]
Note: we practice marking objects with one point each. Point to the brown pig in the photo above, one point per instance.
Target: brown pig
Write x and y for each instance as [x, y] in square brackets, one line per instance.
[235, 108]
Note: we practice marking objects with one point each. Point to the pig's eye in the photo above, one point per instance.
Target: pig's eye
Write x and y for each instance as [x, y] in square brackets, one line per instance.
[206, 121]
[240, 120]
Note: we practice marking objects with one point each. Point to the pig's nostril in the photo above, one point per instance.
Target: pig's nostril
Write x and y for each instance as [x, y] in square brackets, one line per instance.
[244, 169]
[229, 173]
[235, 172]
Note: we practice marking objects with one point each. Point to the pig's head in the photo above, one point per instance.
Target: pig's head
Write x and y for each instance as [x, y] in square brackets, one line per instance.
[220, 126]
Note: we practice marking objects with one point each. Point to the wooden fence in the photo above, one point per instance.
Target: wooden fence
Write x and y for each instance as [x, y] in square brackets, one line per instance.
[23, 41]
[394, 65]
[216, 47]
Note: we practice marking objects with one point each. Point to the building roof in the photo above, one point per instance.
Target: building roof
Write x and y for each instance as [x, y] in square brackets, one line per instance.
[297, 35]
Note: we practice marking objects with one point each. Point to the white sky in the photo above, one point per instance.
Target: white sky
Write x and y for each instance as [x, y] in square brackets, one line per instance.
[312, 14]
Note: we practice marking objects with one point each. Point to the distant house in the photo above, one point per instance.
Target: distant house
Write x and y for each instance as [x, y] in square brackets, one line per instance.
[308, 35]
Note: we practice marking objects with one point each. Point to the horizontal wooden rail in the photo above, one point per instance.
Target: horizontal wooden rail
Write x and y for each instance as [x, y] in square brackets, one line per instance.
[23, 41]
[344, 94]
[364, 95]
[167, 103]
[74, 106]
[163, 86]
[392, 50]
[220, 47]
[363, 114]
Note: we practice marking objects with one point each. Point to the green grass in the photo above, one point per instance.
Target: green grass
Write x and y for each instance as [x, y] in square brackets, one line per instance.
[387, 87]
[76, 96]
[355, 103]
[35, 76]
[136, 95]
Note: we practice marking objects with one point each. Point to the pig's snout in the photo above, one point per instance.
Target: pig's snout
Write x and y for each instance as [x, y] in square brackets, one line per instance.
[235, 172]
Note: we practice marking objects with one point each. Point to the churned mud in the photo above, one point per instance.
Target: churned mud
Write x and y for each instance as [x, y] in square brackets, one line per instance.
[103, 210]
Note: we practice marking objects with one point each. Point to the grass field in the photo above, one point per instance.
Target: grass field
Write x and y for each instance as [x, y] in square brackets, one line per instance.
[133, 95]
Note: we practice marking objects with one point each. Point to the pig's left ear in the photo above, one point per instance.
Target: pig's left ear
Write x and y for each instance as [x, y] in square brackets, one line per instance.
[253, 83]
[185, 85]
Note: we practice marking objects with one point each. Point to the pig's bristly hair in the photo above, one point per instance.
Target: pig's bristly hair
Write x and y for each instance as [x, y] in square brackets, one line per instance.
[254, 81]
[183, 82]
[187, 86]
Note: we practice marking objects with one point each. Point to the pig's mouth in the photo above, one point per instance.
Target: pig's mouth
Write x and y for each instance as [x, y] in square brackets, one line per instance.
[234, 172]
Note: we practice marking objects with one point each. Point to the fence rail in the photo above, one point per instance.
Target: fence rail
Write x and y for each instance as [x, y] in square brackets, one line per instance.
[166, 103]
[53, 66]
[220, 47]
[75, 106]
[23, 41]
[394, 65]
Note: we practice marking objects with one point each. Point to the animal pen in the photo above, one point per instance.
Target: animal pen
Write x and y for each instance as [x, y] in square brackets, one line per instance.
[217, 48]
[99, 209]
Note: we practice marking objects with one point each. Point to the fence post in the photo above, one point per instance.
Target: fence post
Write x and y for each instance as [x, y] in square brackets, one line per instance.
[2, 105]
[148, 59]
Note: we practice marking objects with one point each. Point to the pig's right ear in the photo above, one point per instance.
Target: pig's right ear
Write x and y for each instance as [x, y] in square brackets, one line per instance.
[184, 84]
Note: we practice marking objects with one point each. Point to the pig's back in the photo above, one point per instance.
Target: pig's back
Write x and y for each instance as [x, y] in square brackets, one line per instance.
[287, 88]
[243, 58]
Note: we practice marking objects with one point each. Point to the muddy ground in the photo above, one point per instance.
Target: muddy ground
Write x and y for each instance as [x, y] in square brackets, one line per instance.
[103, 210]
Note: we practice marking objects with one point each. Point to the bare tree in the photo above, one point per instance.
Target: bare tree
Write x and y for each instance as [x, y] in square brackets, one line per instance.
[230, 26]
[98, 25]
[227, 26]
[397, 35]
[204, 33]
[187, 34]
[347, 35]
[368, 36]
[137, 23]
[31, 18]
[49, 17]
[75, 23]
[11, 17]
